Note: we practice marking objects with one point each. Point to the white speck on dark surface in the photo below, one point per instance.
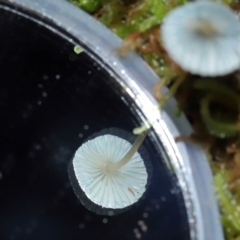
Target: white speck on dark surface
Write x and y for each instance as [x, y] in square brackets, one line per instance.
[45, 77]
[163, 198]
[44, 94]
[80, 135]
[110, 213]
[37, 147]
[142, 225]
[140, 222]
[172, 191]
[145, 215]
[40, 85]
[86, 127]
[39, 103]
[137, 233]
[191, 220]
[58, 76]
[81, 225]
[105, 220]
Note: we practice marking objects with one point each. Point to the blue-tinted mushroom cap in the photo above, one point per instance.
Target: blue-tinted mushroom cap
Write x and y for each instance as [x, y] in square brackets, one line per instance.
[101, 190]
[203, 38]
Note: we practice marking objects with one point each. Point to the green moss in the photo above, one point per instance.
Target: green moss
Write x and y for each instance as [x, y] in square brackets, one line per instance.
[157, 10]
[142, 15]
[87, 5]
[229, 207]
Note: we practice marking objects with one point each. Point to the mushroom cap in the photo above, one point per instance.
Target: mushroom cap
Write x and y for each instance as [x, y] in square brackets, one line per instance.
[203, 37]
[100, 191]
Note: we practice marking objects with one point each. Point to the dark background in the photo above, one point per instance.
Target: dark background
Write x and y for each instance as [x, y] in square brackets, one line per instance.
[50, 101]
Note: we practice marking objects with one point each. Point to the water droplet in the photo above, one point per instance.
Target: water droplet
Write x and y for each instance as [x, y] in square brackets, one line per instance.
[191, 220]
[222, 135]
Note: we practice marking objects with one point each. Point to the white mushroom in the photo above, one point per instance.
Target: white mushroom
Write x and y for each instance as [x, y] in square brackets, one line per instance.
[110, 171]
[203, 38]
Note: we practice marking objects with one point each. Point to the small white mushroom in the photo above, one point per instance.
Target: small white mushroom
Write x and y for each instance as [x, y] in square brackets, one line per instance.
[203, 38]
[110, 171]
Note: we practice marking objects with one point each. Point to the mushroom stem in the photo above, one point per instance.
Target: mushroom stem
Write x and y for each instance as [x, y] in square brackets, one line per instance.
[112, 167]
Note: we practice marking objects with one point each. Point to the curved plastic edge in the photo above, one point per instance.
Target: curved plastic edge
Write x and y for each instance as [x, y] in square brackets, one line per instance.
[141, 79]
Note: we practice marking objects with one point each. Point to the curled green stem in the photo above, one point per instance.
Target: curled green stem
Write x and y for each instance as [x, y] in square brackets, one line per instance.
[216, 127]
[219, 94]
[216, 87]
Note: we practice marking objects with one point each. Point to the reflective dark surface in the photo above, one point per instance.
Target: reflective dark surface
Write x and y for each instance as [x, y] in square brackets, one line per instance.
[50, 101]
